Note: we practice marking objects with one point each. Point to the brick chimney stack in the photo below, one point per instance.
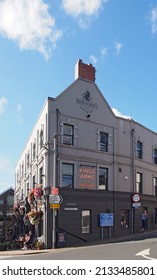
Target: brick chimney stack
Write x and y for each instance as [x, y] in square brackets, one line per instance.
[84, 71]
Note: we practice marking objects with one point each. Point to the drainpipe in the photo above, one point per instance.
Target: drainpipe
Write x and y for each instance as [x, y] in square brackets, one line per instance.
[133, 176]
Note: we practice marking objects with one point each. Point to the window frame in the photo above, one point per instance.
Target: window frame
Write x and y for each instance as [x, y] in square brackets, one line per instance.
[139, 183]
[155, 185]
[41, 139]
[41, 175]
[124, 218]
[106, 178]
[86, 229]
[65, 176]
[34, 150]
[103, 145]
[68, 138]
[28, 160]
[155, 155]
[139, 149]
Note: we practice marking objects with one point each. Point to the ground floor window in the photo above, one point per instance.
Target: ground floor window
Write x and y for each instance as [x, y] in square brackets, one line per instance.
[124, 218]
[86, 221]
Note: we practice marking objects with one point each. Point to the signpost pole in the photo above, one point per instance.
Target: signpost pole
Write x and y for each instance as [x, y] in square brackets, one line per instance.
[54, 185]
[102, 233]
[110, 232]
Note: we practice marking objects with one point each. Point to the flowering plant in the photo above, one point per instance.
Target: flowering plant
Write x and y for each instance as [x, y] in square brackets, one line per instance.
[35, 217]
[35, 193]
[39, 244]
[38, 191]
[31, 197]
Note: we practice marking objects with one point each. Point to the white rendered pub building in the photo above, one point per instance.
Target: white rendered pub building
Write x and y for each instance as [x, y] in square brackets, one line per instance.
[104, 166]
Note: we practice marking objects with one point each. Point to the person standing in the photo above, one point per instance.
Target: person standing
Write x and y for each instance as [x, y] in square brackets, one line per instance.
[144, 220]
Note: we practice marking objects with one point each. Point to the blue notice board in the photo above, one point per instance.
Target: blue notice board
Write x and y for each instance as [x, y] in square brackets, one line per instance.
[106, 219]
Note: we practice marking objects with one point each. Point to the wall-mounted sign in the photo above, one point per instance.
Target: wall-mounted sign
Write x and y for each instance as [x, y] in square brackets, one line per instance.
[86, 103]
[106, 219]
[87, 177]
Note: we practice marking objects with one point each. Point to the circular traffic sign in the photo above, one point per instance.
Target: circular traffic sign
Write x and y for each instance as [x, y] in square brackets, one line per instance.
[136, 197]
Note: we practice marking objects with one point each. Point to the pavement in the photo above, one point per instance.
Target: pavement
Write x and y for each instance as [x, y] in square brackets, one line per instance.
[131, 237]
[24, 252]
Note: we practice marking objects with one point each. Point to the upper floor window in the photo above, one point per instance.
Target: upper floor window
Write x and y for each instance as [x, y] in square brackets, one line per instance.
[28, 160]
[103, 178]
[34, 150]
[104, 141]
[155, 186]
[41, 138]
[139, 149]
[68, 134]
[155, 156]
[67, 175]
[139, 182]
[41, 175]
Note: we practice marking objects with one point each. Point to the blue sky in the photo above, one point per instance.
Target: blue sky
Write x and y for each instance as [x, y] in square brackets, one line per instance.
[40, 43]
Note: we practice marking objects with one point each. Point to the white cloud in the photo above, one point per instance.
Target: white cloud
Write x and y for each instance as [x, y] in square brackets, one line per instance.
[118, 114]
[153, 19]
[93, 59]
[3, 102]
[118, 47]
[79, 7]
[83, 9]
[104, 51]
[29, 23]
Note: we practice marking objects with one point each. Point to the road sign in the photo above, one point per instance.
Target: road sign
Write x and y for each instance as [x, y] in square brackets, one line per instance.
[106, 219]
[136, 197]
[54, 191]
[136, 204]
[55, 199]
[55, 206]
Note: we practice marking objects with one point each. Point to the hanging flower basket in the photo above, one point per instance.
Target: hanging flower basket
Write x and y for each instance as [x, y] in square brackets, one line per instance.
[38, 192]
[35, 217]
[31, 197]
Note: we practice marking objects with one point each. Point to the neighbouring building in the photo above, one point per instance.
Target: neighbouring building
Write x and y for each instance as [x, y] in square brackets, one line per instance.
[104, 166]
[6, 211]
